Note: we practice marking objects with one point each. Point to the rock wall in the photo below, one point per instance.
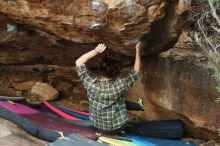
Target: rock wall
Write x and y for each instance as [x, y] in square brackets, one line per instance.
[40, 41]
[119, 23]
[179, 84]
[27, 57]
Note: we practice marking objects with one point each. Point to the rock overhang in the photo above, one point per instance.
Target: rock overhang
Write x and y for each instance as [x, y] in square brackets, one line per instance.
[119, 24]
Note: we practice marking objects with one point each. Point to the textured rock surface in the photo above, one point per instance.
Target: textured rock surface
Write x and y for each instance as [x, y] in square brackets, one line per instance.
[44, 91]
[179, 84]
[11, 135]
[118, 23]
[44, 39]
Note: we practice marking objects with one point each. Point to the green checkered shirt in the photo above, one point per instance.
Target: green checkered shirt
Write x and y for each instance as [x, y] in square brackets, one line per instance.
[107, 104]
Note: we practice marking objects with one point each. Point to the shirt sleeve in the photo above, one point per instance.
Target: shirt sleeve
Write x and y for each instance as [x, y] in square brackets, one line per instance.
[129, 79]
[88, 81]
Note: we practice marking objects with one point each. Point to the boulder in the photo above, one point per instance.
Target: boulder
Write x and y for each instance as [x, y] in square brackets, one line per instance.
[26, 85]
[40, 41]
[179, 85]
[44, 91]
[119, 24]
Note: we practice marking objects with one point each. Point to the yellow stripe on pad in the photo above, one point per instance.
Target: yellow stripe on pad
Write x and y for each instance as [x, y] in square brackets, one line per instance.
[115, 142]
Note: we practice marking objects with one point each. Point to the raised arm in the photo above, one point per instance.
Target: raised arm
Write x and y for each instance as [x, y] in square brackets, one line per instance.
[137, 64]
[85, 57]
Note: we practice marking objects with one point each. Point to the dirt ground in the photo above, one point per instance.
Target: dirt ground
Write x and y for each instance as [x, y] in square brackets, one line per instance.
[11, 135]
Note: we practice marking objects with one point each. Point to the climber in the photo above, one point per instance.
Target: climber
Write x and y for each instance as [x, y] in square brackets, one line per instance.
[108, 111]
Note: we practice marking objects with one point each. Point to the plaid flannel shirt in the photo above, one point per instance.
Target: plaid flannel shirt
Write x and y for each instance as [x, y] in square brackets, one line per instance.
[107, 104]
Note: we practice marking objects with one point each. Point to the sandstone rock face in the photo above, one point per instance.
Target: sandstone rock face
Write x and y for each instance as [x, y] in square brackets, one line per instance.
[179, 84]
[44, 91]
[40, 41]
[119, 23]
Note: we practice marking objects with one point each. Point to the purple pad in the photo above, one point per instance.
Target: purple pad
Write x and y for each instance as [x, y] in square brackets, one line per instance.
[18, 108]
[48, 122]
[45, 121]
